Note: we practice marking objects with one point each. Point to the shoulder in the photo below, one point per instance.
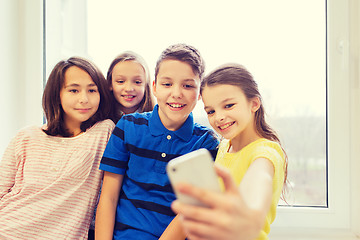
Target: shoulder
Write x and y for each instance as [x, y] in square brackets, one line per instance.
[267, 149]
[135, 118]
[27, 136]
[268, 144]
[200, 130]
[30, 131]
[107, 123]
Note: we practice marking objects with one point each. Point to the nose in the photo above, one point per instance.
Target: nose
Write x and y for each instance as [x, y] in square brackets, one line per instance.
[177, 92]
[219, 116]
[84, 97]
[129, 86]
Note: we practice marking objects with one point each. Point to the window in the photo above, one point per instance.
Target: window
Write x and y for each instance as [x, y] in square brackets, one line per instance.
[287, 58]
[301, 64]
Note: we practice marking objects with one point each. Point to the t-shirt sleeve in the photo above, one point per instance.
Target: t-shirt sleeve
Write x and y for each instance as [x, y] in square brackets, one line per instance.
[8, 167]
[211, 143]
[275, 155]
[116, 155]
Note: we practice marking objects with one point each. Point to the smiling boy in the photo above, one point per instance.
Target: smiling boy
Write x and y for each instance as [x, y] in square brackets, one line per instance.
[136, 193]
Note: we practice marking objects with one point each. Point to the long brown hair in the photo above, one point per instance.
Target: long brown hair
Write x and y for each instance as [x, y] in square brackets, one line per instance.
[237, 75]
[147, 103]
[51, 97]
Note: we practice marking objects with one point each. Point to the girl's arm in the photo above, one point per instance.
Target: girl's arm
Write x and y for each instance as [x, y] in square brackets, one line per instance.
[106, 210]
[238, 213]
[8, 169]
[174, 230]
[256, 187]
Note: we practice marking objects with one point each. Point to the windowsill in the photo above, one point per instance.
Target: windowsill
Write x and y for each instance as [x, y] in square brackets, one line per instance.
[278, 233]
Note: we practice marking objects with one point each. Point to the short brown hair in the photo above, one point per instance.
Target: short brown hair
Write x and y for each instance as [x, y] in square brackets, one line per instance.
[184, 53]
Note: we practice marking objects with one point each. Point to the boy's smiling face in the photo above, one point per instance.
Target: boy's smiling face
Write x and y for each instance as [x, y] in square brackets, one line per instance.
[177, 90]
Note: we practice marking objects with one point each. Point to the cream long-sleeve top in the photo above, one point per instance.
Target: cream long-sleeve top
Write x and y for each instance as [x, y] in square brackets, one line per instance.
[49, 185]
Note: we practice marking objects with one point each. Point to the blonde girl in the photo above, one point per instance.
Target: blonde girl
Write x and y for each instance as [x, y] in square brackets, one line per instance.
[129, 80]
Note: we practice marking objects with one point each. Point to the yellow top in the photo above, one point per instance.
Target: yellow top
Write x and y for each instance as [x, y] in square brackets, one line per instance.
[239, 162]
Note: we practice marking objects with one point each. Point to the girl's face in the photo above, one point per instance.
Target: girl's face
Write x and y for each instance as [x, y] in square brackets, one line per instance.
[229, 112]
[79, 98]
[128, 85]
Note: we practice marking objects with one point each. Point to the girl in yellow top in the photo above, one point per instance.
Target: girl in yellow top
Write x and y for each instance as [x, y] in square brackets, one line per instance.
[251, 151]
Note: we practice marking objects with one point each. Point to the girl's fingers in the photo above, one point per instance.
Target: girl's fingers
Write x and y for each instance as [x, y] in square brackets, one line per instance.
[200, 214]
[209, 198]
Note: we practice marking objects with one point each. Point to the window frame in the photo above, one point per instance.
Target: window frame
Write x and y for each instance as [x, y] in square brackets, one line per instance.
[340, 219]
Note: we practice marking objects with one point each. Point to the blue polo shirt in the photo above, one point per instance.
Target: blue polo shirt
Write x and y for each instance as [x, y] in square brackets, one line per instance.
[140, 148]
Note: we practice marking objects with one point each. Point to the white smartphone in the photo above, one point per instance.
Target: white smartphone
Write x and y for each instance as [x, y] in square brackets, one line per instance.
[195, 168]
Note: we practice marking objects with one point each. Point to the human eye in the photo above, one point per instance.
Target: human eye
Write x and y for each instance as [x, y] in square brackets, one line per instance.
[165, 84]
[189, 86]
[210, 112]
[138, 82]
[229, 105]
[119, 81]
[93, 90]
[72, 90]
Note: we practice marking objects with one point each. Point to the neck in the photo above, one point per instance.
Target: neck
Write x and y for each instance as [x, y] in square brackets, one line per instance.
[242, 140]
[129, 110]
[76, 132]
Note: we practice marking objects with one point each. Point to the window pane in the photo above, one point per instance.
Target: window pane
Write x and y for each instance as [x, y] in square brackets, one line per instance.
[282, 42]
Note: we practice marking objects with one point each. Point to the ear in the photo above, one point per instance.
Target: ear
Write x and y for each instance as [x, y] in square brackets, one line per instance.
[154, 88]
[255, 104]
[199, 97]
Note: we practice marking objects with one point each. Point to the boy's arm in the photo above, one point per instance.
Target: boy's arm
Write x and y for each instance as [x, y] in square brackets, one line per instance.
[174, 230]
[106, 210]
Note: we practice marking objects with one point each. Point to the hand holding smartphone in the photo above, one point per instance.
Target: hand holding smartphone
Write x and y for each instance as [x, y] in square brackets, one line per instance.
[195, 168]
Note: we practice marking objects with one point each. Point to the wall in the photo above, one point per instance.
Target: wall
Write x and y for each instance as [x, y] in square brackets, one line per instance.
[21, 59]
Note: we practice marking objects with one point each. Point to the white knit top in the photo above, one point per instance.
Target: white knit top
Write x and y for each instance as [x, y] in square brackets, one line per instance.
[49, 185]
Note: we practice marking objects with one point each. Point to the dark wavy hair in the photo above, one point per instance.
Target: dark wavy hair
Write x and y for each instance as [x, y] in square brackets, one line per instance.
[184, 53]
[237, 75]
[51, 102]
[147, 103]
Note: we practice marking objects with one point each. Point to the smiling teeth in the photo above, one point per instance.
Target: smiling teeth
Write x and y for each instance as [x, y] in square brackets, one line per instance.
[225, 126]
[128, 96]
[176, 105]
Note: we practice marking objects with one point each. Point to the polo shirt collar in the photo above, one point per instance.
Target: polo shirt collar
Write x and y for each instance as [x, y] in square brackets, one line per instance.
[157, 128]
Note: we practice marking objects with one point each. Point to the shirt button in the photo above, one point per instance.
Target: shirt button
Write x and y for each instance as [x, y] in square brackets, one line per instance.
[168, 137]
[54, 169]
[163, 155]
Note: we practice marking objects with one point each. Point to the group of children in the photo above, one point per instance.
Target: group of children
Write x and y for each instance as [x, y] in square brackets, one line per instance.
[51, 175]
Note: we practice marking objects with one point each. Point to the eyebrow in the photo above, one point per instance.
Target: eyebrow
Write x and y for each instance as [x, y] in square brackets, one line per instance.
[120, 75]
[189, 80]
[78, 85]
[223, 101]
[184, 80]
